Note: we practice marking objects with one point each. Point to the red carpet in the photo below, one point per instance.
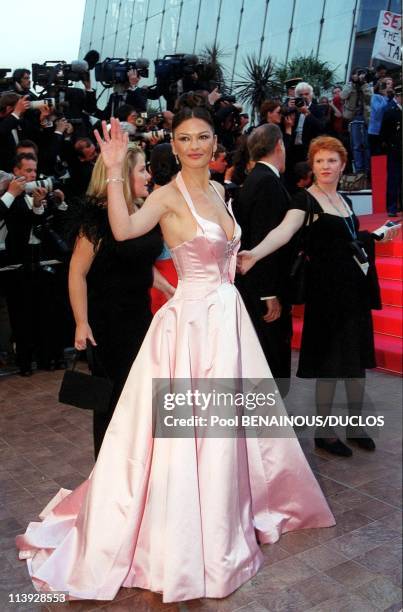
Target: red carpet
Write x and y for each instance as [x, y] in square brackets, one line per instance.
[388, 321]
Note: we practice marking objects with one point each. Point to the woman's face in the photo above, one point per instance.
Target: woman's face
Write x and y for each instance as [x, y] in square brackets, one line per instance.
[194, 143]
[139, 178]
[327, 167]
[274, 116]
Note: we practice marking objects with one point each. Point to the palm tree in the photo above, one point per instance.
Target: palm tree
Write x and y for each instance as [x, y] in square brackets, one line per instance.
[212, 66]
[258, 82]
[312, 70]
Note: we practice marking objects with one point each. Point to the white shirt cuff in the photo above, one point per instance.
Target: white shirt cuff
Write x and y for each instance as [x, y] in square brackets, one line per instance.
[270, 297]
[7, 199]
[16, 116]
[57, 132]
[38, 210]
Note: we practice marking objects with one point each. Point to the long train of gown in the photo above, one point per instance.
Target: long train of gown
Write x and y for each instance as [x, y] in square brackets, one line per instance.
[179, 516]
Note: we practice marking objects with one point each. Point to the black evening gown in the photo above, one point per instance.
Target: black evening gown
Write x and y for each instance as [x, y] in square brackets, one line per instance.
[119, 310]
[337, 337]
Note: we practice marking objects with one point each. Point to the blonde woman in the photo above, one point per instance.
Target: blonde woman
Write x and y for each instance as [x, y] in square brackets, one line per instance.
[109, 281]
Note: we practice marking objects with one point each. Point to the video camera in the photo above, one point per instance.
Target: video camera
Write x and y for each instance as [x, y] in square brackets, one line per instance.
[113, 71]
[58, 73]
[171, 68]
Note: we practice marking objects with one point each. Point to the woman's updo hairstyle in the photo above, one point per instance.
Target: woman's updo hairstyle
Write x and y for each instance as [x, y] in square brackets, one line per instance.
[192, 105]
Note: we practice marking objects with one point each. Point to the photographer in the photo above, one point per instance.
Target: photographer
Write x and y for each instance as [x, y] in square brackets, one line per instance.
[33, 292]
[311, 121]
[357, 99]
[227, 125]
[12, 109]
[129, 93]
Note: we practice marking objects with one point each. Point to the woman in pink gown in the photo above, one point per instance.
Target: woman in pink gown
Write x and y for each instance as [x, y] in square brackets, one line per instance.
[179, 516]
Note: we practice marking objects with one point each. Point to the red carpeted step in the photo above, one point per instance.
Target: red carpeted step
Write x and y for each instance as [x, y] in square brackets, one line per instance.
[389, 353]
[389, 267]
[388, 320]
[391, 292]
[389, 249]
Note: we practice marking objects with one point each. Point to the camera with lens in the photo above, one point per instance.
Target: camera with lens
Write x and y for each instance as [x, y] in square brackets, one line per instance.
[113, 71]
[50, 230]
[363, 75]
[172, 68]
[58, 73]
[299, 102]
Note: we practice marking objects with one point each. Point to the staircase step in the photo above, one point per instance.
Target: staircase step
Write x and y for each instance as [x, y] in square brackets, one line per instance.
[389, 268]
[389, 249]
[388, 320]
[388, 349]
[388, 353]
[391, 292]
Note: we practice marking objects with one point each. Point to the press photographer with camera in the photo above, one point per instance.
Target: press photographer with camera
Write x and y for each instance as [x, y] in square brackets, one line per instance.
[311, 121]
[357, 99]
[12, 109]
[32, 291]
[124, 76]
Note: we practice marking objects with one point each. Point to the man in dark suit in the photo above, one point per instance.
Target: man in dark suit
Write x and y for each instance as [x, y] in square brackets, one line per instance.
[391, 137]
[260, 207]
[12, 109]
[310, 122]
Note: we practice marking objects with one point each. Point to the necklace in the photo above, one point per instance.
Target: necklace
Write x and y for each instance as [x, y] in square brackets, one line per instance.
[347, 220]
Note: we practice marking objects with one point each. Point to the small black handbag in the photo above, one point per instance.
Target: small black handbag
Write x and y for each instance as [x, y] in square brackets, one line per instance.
[86, 391]
[300, 266]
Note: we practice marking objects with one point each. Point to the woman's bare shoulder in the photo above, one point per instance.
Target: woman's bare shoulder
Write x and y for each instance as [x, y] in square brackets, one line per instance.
[166, 195]
[219, 187]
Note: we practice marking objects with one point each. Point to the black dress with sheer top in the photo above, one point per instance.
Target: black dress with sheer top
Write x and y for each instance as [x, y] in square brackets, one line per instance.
[337, 338]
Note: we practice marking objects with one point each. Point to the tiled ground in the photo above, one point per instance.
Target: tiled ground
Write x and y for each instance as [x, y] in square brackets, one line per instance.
[352, 567]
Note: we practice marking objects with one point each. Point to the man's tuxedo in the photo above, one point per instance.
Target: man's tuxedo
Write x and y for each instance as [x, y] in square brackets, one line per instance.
[260, 207]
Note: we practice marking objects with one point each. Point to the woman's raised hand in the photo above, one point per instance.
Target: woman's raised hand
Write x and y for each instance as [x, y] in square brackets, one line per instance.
[113, 146]
[245, 261]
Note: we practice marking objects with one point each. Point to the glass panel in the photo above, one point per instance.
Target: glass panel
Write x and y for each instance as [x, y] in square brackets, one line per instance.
[205, 34]
[187, 26]
[228, 26]
[112, 17]
[369, 13]
[125, 17]
[151, 41]
[122, 43]
[99, 22]
[332, 9]
[155, 6]
[306, 27]
[335, 40]
[252, 23]
[169, 30]
[278, 23]
[87, 23]
[140, 10]
[136, 40]
[108, 46]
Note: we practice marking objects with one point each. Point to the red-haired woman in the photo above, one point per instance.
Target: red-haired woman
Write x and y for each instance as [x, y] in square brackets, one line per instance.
[337, 339]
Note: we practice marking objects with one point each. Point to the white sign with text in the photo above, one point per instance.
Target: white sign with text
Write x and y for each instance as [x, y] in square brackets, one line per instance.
[387, 44]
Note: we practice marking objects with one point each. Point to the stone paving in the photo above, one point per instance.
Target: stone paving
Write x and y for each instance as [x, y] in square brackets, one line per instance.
[352, 567]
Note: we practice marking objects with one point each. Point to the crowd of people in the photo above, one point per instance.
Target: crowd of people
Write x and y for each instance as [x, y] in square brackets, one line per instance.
[52, 197]
[217, 185]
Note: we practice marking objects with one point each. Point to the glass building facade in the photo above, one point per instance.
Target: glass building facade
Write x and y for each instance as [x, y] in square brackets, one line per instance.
[340, 32]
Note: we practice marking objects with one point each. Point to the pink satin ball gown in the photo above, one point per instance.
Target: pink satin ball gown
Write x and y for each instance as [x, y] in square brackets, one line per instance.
[182, 516]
